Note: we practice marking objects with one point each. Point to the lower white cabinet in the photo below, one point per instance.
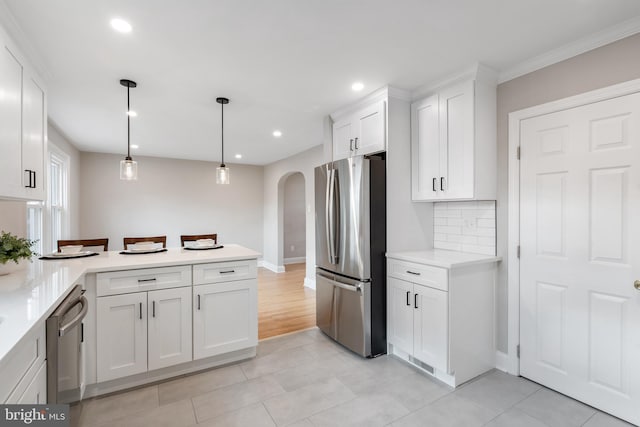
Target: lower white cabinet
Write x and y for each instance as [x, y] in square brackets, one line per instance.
[23, 372]
[442, 319]
[224, 317]
[36, 392]
[143, 331]
[121, 335]
[419, 325]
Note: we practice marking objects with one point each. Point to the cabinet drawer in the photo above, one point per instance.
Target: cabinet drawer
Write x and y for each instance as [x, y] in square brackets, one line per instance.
[124, 282]
[224, 271]
[22, 365]
[434, 277]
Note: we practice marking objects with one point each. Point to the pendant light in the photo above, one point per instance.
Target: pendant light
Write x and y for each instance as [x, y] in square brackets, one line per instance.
[222, 172]
[128, 167]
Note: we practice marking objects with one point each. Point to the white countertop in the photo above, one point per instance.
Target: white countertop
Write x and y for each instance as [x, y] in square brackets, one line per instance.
[443, 258]
[30, 296]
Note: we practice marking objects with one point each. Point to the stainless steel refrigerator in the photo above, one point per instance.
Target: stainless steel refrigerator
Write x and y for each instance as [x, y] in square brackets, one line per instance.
[350, 253]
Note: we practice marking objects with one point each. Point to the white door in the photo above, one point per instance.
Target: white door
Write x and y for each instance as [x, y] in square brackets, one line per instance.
[425, 149]
[431, 327]
[342, 139]
[371, 130]
[401, 314]
[579, 231]
[169, 330]
[121, 335]
[457, 139]
[225, 317]
[10, 124]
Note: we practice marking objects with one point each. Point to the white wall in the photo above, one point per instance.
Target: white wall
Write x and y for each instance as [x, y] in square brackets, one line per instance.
[274, 178]
[13, 217]
[294, 219]
[171, 197]
[605, 66]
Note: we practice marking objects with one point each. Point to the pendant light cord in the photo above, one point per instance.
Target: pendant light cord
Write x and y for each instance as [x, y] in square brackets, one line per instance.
[128, 126]
[222, 130]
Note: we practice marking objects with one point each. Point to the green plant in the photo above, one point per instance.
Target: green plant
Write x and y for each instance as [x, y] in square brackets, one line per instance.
[13, 248]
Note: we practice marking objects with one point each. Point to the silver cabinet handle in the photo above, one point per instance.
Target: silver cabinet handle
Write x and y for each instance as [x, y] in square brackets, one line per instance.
[413, 272]
[356, 143]
[146, 280]
[351, 144]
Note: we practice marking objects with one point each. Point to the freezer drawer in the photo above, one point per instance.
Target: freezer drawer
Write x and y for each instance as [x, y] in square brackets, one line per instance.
[343, 311]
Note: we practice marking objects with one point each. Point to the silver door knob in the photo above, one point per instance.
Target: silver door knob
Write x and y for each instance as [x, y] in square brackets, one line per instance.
[636, 284]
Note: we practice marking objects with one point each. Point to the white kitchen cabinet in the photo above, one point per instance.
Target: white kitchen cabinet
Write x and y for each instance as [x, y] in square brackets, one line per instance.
[23, 124]
[121, 335]
[169, 327]
[360, 132]
[23, 369]
[453, 141]
[225, 317]
[36, 392]
[11, 125]
[442, 319]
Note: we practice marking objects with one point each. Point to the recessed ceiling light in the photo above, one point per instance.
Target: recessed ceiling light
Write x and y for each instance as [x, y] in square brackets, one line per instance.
[135, 146]
[120, 25]
[357, 86]
[238, 156]
[132, 113]
[277, 133]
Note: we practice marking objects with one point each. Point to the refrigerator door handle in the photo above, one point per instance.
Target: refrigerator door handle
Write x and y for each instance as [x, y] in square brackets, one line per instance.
[336, 216]
[328, 214]
[352, 288]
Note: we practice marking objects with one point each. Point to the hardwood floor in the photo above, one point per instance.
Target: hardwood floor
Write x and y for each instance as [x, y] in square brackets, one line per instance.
[284, 303]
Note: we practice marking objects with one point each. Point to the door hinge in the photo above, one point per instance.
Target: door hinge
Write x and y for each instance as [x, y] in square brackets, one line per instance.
[518, 351]
[518, 251]
[518, 153]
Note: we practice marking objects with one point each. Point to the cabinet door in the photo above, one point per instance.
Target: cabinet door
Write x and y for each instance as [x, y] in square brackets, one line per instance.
[225, 317]
[400, 308]
[169, 334]
[36, 392]
[343, 139]
[425, 149]
[10, 124]
[121, 335]
[33, 133]
[431, 327]
[371, 132]
[457, 139]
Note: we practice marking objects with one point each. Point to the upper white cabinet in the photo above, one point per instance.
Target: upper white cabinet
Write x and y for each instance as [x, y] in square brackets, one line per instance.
[453, 141]
[23, 127]
[360, 131]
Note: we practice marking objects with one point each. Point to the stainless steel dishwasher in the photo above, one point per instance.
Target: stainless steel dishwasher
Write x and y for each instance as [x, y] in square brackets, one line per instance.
[65, 335]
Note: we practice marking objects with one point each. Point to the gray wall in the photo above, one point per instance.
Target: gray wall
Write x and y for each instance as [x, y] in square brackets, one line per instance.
[294, 218]
[605, 66]
[171, 197]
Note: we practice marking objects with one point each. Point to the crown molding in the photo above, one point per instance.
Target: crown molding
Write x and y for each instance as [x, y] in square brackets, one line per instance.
[19, 38]
[575, 48]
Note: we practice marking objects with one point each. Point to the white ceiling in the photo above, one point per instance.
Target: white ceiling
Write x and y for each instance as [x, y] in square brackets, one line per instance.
[283, 63]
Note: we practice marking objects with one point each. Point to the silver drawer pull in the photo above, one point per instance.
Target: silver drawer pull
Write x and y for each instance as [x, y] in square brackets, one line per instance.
[146, 280]
[413, 272]
[227, 271]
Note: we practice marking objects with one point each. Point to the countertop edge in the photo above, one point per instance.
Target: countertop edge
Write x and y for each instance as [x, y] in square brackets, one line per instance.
[413, 256]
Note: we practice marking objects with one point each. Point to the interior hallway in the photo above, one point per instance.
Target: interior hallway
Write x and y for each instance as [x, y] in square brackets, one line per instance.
[284, 303]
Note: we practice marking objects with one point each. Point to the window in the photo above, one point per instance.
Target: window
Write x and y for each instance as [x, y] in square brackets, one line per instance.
[58, 217]
[34, 224]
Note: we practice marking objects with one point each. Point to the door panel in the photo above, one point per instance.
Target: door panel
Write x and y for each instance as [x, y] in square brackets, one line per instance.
[342, 139]
[431, 327]
[169, 317]
[121, 335]
[10, 125]
[401, 314]
[425, 149]
[580, 198]
[371, 134]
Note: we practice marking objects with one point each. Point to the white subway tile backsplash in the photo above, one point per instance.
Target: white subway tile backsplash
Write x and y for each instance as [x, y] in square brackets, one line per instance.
[465, 226]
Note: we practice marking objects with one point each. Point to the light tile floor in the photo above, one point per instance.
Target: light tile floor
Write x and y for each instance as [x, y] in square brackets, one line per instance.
[305, 380]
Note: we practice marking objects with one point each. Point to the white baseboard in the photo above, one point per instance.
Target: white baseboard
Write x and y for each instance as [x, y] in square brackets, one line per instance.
[310, 283]
[502, 361]
[273, 267]
[295, 260]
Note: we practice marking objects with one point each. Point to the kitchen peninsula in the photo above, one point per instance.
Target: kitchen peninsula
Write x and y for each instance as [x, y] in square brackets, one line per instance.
[174, 312]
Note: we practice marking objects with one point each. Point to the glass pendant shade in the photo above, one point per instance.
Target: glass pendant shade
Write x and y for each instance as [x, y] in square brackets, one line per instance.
[222, 175]
[128, 170]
